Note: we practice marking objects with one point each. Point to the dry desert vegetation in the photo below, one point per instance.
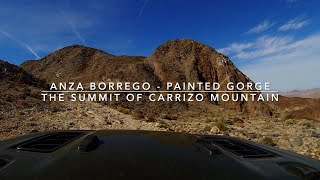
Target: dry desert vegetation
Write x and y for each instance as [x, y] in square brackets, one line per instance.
[298, 135]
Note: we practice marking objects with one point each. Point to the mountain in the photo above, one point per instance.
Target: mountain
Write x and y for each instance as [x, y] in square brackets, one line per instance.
[174, 61]
[79, 63]
[181, 60]
[190, 61]
[310, 93]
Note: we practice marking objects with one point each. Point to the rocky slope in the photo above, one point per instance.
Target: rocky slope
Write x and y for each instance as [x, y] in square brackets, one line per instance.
[301, 136]
[298, 108]
[18, 90]
[11, 74]
[186, 60]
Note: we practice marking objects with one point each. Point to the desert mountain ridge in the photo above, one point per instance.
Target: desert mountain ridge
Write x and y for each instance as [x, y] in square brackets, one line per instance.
[12, 74]
[181, 60]
[308, 93]
[191, 59]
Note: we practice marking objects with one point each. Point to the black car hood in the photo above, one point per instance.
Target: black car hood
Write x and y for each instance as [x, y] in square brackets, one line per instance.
[119, 154]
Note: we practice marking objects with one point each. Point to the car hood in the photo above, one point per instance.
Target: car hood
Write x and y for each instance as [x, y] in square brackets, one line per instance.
[123, 154]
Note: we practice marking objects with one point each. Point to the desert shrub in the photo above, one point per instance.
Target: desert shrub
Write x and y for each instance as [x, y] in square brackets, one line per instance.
[209, 120]
[207, 128]
[55, 109]
[290, 122]
[221, 124]
[268, 141]
[33, 124]
[123, 110]
[151, 117]
[137, 114]
[237, 120]
[307, 123]
[162, 124]
[168, 117]
[287, 116]
[228, 122]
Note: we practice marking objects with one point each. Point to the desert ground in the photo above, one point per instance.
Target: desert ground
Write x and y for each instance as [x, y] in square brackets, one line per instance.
[299, 135]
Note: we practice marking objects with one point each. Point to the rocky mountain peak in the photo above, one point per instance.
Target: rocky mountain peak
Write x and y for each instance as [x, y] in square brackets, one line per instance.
[181, 48]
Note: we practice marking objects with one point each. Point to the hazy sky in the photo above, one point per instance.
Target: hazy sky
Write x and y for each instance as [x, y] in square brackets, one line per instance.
[274, 40]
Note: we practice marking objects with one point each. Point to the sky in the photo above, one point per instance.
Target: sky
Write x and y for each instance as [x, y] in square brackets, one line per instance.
[273, 40]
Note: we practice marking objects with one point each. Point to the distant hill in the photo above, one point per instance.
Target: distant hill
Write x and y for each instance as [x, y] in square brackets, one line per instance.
[310, 93]
[299, 108]
[181, 60]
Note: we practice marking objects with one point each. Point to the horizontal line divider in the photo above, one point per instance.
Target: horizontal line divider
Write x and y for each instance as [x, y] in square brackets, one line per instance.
[163, 91]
